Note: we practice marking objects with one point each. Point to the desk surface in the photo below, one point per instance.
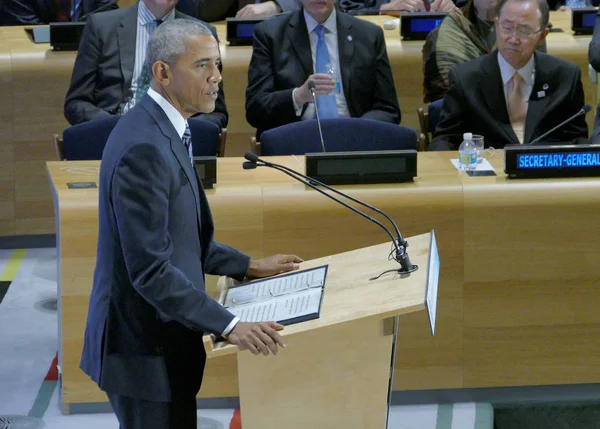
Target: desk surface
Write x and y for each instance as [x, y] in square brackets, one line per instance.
[519, 289]
[34, 81]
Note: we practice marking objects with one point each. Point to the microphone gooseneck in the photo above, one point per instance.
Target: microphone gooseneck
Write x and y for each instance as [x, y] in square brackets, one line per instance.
[585, 109]
[311, 87]
[400, 244]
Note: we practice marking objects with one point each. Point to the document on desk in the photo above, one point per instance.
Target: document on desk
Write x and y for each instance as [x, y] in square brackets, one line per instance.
[287, 299]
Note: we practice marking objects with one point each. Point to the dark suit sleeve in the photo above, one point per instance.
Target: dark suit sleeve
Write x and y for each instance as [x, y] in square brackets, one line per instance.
[355, 4]
[218, 116]
[140, 195]
[449, 131]
[101, 3]
[289, 5]
[211, 10]
[79, 102]
[21, 12]
[224, 260]
[385, 103]
[594, 46]
[577, 128]
[266, 107]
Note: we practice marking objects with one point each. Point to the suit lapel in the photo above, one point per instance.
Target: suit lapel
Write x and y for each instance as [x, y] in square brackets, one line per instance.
[541, 94]
[492, 91]
[126, 38]
[176, 145]
[346, 52]
[298, 35]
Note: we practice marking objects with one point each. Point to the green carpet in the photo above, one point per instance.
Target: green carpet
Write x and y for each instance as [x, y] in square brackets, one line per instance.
[574, 415]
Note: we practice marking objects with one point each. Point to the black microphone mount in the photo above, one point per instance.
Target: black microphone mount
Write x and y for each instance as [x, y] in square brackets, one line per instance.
[399, 243]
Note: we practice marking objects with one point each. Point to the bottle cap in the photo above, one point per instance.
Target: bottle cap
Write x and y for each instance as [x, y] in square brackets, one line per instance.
[468, 136]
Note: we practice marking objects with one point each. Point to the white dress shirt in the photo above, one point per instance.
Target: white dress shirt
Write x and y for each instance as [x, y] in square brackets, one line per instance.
[331, 40]
[179, 124]
[527, 72]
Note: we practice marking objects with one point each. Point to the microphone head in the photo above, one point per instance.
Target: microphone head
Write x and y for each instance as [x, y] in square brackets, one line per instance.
[251, 156]
[311, 85]
[587, 108]
[249, 165]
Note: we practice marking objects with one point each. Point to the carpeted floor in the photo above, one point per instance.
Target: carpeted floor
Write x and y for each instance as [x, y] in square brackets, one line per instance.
[580, 415]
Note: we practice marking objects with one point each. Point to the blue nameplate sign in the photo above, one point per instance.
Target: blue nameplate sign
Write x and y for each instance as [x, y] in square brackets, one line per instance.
[525, 161]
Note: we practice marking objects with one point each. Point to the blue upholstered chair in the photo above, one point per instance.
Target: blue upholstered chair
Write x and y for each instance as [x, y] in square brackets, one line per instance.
[340, 135]
[86, 141]
[207, 138]
[428, 122]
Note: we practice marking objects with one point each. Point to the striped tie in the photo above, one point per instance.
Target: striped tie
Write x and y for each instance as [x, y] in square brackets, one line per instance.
[187, 142]
[143, 82]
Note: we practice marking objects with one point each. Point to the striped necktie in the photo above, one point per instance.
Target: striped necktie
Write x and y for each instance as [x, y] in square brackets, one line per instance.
[143, 82]
[187, 142]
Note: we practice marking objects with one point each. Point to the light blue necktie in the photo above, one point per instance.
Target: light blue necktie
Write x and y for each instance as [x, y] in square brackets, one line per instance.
[325, 103]
[76, 10]
[187, 142]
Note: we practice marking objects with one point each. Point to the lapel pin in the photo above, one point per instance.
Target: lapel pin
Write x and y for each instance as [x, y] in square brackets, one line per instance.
[349, 38]
[541, 94]
[545, 86]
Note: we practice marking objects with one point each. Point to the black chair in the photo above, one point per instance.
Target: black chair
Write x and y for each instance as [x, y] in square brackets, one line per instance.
[340, 135]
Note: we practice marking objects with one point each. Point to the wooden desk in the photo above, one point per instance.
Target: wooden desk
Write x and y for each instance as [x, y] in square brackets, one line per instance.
[518, 294]
[34, 81]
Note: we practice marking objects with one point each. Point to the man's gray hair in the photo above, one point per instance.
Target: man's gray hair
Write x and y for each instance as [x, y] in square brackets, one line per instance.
[169, 40]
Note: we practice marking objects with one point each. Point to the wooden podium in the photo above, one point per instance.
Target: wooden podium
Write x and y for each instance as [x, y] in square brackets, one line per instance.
[336, 371]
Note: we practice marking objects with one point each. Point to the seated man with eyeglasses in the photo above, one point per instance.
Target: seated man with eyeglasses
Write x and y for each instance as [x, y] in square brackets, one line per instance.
[514, 94]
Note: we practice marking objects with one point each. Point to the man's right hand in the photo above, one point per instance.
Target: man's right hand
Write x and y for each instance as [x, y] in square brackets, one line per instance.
[259, 337]
[324, 84]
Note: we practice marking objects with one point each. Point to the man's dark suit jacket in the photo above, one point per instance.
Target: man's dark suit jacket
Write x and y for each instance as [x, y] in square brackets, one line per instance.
[475, 103]
[148, 306]
[282, 60]
[347, 5]
[212, 10]
[103, 69]
[31, 12]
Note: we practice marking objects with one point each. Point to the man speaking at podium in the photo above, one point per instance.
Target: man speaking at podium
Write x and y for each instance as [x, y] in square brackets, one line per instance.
[148, 307]
[514, 94]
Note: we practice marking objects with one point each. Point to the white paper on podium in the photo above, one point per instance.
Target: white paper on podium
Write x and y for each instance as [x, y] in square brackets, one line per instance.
[291, 298]
[484, 165]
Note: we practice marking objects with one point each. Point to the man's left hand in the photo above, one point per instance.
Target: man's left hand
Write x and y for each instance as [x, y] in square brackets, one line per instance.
[267, 8]
[442, 6]
[272, 265]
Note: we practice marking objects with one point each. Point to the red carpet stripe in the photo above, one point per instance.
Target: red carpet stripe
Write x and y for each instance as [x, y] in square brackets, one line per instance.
[53, 371]
[236, 420]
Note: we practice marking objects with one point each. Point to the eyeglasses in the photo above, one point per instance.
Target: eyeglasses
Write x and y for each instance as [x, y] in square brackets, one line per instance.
[520, 32]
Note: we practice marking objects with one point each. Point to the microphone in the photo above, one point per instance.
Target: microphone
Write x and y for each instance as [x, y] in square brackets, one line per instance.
[100, 9]
[311, 87]
[400, 244]
[586, 108]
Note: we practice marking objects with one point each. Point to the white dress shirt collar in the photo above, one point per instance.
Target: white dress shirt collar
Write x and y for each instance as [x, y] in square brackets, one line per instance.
[174, 116]
[330, 23]
[145, 16]
[507, 71]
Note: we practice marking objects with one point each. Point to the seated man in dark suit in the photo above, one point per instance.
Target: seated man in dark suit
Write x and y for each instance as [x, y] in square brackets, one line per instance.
[295, 48]
[108, 75]
[148, 307]
[212, 10]
[513, 95]
[33, 12]
[393, 7]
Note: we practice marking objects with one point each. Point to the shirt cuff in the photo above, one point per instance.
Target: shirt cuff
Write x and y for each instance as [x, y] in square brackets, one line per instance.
[230, 327]
[296, 108]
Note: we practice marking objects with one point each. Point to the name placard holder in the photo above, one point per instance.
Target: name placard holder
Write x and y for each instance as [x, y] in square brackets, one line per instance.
[530, 162]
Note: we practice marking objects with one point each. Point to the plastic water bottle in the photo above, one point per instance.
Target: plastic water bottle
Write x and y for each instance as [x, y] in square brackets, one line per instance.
[331, 71]
[467, 153]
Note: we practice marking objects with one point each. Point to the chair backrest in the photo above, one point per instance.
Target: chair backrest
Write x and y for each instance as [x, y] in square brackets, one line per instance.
[206, 138]
[340, 135]
[434, 110]
[86, 141]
